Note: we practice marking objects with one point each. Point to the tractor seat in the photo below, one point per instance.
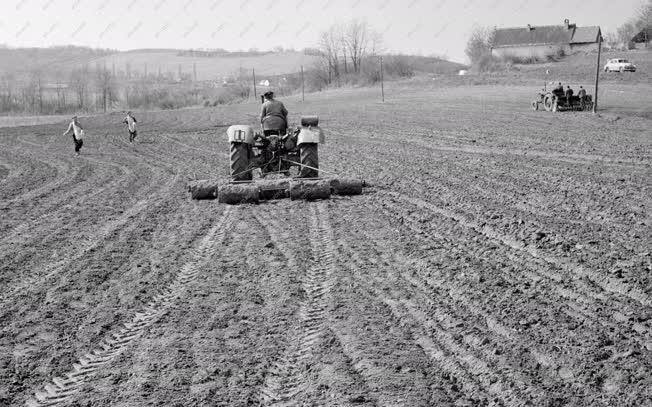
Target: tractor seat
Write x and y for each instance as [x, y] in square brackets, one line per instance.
[275, 123]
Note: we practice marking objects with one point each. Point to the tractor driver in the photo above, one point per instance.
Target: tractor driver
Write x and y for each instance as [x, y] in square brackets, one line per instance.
[273, 116]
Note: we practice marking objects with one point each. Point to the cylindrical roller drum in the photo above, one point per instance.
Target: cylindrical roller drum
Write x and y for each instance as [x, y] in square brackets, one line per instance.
[346, 186]
[274, 189]
[310, 190]
[234, 194]
[308, 121]
[202, 189]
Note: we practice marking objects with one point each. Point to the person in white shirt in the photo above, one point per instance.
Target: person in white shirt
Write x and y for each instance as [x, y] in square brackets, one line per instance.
[130, 121]
[77, 133]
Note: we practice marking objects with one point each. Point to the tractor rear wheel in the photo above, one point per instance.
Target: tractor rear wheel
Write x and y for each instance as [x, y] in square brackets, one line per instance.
[309, 158]
[240, 162]
[547, 103]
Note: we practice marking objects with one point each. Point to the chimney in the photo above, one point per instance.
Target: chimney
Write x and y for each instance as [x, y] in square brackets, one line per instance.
[567, 23]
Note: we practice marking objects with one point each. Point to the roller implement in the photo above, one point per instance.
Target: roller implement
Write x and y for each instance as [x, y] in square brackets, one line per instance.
[288, 164]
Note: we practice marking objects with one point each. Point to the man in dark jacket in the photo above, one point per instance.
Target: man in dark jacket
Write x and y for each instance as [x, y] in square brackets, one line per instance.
[569, 95]
[273, 115]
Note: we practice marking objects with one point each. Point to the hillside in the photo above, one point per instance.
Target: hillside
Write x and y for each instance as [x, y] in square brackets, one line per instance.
[19, 60]
[209, 65]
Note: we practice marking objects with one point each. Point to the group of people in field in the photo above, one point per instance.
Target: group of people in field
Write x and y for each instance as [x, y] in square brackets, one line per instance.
[77, 130]
[568, 94]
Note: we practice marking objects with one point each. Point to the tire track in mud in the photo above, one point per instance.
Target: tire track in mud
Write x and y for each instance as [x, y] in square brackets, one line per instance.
[49, 210]
[62, 177]
[62, 389]
[570, 374]
[153, 166]
[32, 280]
[287, 379]
[579, 301]
[605, 283]
[474, 368]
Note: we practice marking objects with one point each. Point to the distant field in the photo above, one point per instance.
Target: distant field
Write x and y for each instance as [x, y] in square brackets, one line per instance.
[208, 68]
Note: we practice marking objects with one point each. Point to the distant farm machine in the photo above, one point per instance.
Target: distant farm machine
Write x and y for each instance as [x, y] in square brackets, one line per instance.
[552, 101]
[287, 160]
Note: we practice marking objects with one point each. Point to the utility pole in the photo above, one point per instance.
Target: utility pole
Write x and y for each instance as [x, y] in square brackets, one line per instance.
[303, 92]
[253, 71]
[382, 80]
[597, 74]
[194, 72]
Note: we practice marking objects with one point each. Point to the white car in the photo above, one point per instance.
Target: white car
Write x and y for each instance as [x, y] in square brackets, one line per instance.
[619, 65]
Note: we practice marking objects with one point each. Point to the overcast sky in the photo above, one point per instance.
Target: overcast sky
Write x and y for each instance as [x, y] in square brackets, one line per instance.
[411, 26]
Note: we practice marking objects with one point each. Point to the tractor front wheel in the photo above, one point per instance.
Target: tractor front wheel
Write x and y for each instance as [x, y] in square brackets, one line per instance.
[240, 162]
[309, 160]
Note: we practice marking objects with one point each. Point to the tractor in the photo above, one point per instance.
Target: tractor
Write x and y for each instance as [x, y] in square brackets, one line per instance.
[555, 102]
[276, 152]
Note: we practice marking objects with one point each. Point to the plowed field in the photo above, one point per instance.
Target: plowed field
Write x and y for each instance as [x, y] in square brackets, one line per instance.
[502, 257]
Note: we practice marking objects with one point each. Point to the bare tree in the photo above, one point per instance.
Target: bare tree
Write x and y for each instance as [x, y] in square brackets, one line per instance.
[625, 33]
[644, 16]
[79, 83]
[330, 46]
[611, 40]
[105, 87]
[480, 43]
[356, 39]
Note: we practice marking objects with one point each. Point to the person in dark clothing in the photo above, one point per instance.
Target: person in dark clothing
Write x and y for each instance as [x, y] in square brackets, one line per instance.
[558, 90]
[569, 95]
[77, 134]
[273, 116]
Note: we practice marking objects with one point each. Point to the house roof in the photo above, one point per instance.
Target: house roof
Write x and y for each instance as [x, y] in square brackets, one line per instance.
[542, 35]
[585, 34]
[644, 35]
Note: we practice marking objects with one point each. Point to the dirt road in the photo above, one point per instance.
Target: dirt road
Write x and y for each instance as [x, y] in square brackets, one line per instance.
[502, 257]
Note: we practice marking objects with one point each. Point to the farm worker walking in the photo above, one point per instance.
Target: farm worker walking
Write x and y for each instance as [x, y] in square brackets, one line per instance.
[569, 95]
[130, 120]
[582, 95]
[77, 133]
[273, 115]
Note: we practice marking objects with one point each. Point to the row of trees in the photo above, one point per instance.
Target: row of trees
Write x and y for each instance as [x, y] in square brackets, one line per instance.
[82, 89]
[344, 50]
[40, 94]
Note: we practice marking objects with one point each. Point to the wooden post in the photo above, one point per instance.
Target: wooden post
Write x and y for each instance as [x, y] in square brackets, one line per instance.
[382, 80]
[253, 71]
[303, 92]
[597, 74]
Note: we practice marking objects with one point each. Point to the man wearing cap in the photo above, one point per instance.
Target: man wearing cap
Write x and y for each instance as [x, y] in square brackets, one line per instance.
[77, 134]
[130, 121]
[273, 115]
